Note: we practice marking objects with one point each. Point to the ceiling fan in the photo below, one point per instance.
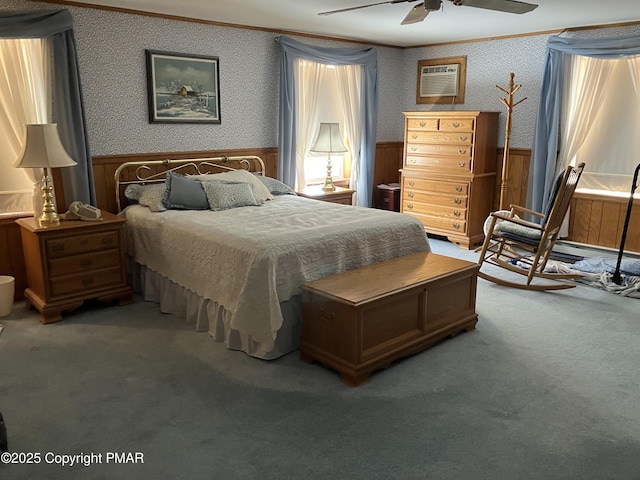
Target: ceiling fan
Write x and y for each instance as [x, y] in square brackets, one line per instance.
[420, 11]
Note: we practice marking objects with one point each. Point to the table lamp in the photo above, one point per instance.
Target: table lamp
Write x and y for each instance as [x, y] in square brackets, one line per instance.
[329, 141]
[43, 149]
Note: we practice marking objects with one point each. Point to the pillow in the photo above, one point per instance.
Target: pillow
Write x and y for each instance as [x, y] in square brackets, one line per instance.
[240, 176]
[223, 195]
[276, 187]
[151, 197]
[521, 230]
[184, 193]
[133, 192]
[148, 195]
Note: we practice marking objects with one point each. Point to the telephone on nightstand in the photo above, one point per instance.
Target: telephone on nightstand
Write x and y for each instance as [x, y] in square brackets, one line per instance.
[82, 211]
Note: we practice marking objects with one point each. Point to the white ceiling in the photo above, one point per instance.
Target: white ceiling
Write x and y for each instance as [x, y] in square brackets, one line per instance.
[381, 24]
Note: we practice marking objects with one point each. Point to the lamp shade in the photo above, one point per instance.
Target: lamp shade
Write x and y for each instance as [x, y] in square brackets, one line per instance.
[329, 140]
[43, 148]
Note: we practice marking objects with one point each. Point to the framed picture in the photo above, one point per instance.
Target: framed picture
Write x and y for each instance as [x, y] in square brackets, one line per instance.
[183, 88]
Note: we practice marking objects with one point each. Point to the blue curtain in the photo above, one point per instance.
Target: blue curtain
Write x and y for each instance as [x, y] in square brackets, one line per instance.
[368, 57]
[546, 139]
[67, 91]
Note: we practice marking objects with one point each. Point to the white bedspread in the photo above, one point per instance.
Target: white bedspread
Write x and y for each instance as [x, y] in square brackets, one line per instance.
[250, 259]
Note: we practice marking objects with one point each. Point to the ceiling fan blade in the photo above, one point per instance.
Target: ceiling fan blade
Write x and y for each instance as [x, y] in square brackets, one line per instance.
[509, 6]
[364, 6]
[420, 12]
[415, 15]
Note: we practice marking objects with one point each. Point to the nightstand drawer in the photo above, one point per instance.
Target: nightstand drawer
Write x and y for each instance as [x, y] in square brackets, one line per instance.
[84, 262]
[63, 247]
[82, 282]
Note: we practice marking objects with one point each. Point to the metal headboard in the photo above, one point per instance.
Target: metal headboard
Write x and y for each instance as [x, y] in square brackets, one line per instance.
[195, 166]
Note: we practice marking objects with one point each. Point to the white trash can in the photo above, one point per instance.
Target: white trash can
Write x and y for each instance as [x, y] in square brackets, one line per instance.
[7, 290]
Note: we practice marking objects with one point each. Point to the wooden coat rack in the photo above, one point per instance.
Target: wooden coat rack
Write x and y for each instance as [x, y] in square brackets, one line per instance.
[507, 136]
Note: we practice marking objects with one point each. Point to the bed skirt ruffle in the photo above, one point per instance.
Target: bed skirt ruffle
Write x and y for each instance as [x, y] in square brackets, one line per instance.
[206, 315]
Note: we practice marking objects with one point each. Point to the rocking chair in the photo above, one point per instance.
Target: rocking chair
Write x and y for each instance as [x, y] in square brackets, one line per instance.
[524, 247]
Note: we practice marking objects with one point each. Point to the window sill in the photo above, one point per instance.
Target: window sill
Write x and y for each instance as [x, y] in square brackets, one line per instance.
[601, 195]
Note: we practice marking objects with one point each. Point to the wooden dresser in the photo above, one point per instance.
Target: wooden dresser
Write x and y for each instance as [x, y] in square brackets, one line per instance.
[449, 171]
[74, 262]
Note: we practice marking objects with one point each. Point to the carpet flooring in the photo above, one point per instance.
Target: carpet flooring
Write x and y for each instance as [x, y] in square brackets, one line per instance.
[546, 387]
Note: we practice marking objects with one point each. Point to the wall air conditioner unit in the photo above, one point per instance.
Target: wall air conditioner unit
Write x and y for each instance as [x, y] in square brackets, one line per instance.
[439, 80]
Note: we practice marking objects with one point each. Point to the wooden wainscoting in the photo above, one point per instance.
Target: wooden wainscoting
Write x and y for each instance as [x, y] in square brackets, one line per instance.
[599, 220]
[11, 256]
[104, 167]
[518, 179]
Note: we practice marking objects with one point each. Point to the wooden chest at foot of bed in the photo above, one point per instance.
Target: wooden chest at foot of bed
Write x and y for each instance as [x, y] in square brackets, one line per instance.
[364, 319]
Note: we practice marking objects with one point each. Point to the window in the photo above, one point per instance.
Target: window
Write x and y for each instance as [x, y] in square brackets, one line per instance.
[24, 98]
[597, 119]
[326, 94]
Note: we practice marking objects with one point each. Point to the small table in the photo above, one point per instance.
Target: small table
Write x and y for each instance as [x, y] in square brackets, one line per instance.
[339, 195]
[74, 262]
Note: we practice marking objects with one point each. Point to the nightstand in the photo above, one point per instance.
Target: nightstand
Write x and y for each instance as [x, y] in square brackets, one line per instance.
[74, 262]
[339, 195]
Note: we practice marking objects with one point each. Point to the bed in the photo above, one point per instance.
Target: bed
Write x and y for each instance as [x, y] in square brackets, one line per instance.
[236, 271]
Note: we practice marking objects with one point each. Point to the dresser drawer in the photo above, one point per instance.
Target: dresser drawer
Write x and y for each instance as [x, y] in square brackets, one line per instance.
[63, 247]
[435, 210]
[422, 124]
[462, 138]
[440, 223]
[448, 165]
[457, 151]
[457, 201]
[456, 125]
[83, 282]
[84, 262]
[438, 186]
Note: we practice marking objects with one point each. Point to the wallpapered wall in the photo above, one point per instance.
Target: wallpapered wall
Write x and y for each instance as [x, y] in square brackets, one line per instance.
[111, 49]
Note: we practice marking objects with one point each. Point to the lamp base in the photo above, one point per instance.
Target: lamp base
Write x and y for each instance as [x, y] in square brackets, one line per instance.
[49, 217]
[328, 185]
[49, 220]
[328, 181]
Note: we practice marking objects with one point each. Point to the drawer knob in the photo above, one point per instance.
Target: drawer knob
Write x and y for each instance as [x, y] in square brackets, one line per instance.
[455, 124]
[423, 123]
[457, 213]
[327, 317]
[414, 136]
[410, 194]
[57, 247]
[410, 206]
[413, 149]
[411, 183]
[458, 188]
[461, 164]
[463, 138]
[456, 225]
[108, 240]
[462, 151]
[458, 201]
